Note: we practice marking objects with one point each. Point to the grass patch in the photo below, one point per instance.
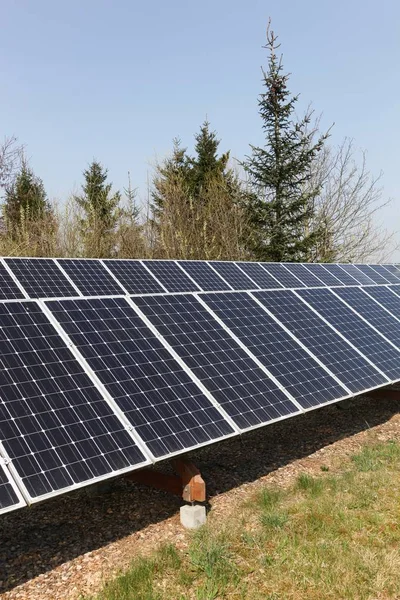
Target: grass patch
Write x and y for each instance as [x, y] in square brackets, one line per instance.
[324, 538]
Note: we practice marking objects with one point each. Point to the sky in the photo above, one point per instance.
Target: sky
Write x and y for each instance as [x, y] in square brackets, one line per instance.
[118, 80]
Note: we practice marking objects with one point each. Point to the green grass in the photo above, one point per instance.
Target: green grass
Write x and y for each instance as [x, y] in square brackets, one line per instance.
[328, 536]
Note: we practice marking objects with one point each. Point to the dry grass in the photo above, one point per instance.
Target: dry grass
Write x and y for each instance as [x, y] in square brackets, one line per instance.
[326, 537]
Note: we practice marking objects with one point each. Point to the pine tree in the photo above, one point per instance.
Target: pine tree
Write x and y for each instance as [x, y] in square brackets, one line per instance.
[206, 164]
[100, 212]
[282, 203]
[25, 201]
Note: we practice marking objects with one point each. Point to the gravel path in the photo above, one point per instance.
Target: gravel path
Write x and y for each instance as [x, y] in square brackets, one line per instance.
[69, 545]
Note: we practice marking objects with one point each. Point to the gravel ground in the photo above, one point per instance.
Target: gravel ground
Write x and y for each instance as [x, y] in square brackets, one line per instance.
[69, 545]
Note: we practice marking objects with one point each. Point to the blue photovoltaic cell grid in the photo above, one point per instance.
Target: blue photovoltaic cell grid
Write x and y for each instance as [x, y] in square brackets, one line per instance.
[373, 275]
[357, 274]
[263, 279]
[292, 366]
[91, 278]
[134, 277]
[207, 279]
[305, 276]
[336, 354]
[395, 271]
[386, 297]
[386, 274]
[244, 390]
[55, 426]
[41, 277]
[340, 274]
[166, 408]
[359, 333]
[322, 274]
[377, 316]
[8, 287]
[171, 276]
[285, 277]
[236, 278]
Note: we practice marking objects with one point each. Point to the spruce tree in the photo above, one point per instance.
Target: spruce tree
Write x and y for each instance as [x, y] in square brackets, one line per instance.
[25, 201]
[100, 212]
[282, 203]
[206, 163]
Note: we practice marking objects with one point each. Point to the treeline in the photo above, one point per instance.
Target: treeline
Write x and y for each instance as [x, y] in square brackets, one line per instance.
[293, 199]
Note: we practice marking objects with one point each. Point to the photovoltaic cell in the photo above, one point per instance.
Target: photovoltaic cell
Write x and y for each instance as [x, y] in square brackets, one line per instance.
[55, 426]
[90, 277]
[373, 275]
[388, 299]
[166, 408]
[134, 277]
[8, 496]
[292, 366]
[386, 273]
[393, 269]
[203, 275]
[336, 354]
[171, 276]
[323, 274]
[373, 313]
[244, 390]
[340, 274]
[359, 333]
[305, 276]
[357, 274]
[263, 279]
[41, 277]
[234, 276]
[287, 279]
[8, 288]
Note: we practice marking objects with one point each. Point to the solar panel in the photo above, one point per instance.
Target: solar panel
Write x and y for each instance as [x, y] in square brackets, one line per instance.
[332, 350]
[90, 277]
[55, 426]
[285, 277]
[165, 406]
[259, 275]
[244, 390]
[387, 298]
[41, 277]
[340, 274]
[134, 277]
[372, 275]
[171, 276]
[393, 269]
[377, 316]
[386, 273]
[236, 278]
[8, 287]
[288, 362]
[359, 333]
[305, 276]
[203, 274]
[324, 275]
[357, 274]
[10, 497]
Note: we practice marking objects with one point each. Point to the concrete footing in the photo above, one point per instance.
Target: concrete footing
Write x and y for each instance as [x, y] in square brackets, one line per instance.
[193, 516]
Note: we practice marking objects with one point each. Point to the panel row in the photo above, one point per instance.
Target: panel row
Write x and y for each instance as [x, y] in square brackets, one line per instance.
[91, 388]
[62, 278]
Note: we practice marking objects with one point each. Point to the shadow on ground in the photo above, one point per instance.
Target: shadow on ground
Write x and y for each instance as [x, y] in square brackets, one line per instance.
[37, 539]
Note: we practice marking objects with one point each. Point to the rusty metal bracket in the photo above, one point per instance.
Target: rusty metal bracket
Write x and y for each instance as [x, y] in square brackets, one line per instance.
[187, 483]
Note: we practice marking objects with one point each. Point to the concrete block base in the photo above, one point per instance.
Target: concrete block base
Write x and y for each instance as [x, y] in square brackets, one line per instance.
[193, 517]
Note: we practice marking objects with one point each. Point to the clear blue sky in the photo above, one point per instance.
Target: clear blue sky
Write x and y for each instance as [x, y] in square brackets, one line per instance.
[118, 80]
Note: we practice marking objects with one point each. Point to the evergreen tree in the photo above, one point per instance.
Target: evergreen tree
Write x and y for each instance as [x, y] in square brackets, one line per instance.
[174, 168]
[100, 212]
[206, 164]
[282, 204]
[25, 201]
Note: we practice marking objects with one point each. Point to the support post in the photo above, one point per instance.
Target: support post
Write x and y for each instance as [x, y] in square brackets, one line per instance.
[187, 483]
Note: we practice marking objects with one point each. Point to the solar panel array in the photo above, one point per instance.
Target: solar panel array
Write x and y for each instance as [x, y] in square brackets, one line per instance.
[110, 365]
